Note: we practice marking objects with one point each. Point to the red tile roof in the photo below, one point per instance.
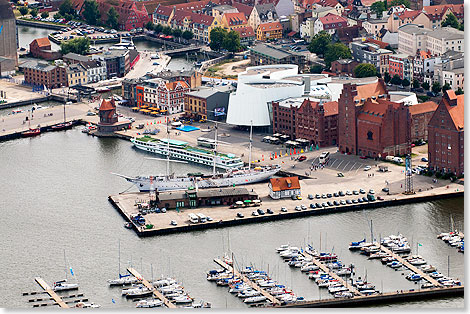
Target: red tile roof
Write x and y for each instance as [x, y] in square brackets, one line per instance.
[333, 21]
[368, 90]
[282, 184]
[435, 12]
[324, 3]
[245, 9]
[245, 32]
[172, 85]
[107, 104]
[235, 18]
[381, 44]
[407, 14]
[163, 10]
[457, 111]
[271, 26]
[330, 108]
[42, 42]
[428, 106]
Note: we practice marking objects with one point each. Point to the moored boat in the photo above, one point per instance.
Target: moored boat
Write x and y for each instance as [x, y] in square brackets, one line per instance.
[31, 132]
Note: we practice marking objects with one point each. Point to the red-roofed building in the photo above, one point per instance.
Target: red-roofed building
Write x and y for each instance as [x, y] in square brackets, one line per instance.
[41, 48]
[167, 96]
[371, 125]
[329, 23]
[446, 135]
[438, 13]
[271, 30]
[231, 21]
[163, 15]
[247, 35]
[109, 121]
[245, 9]
[310, 5]
[199, 24]
[284, 187]
[307, 119]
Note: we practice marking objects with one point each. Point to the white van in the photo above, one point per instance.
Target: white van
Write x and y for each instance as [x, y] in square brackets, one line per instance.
[201, 217]
[398, 160]
[193, 218]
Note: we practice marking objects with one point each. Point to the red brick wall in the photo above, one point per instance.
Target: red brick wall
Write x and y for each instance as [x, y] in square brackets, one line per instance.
[419, 126]
[347, 120]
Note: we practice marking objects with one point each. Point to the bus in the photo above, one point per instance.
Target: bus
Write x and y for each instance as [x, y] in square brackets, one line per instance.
[201, 217]
[193, 218]
[206, 142]
[324, 157]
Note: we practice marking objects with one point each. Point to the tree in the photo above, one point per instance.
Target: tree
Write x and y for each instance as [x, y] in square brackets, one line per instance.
[451, 21]
[317, 68]
[461, 27]
[319, 43]
[405, 83]
[378, 7]
[68, 17]
[231, 41]
[23, 10]
[387, 77]
[396, 80]
[336, 51]
[34, 12]
[217, 36]
[57, 16]
[158, 28]
[90, 12]
[446, 87]
[149, 25]
[459, 91]
[167, 30]
[406, 3]
[436, 87]
[177, 32]
[45, 14]
[77, 45]
[66, 8]
[425, 85]
[365, 70]
[113, 18]
[415, 83]
[187, 35]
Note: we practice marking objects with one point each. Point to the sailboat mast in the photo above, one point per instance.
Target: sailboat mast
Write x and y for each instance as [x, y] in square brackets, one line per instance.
[65, 266]
[168, 149]
[215, 149]
[251, 140]
[64, 112]
[371, 234]
[119, 258]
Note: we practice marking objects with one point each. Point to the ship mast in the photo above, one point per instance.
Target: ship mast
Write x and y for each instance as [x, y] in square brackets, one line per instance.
[215, 148]
[167, 149]
[251, 140]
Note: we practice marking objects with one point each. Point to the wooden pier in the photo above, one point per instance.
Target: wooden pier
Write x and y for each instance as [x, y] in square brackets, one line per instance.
[150, 286]
[411, 267]
[323, 267]
[51, 293]
[248, 281]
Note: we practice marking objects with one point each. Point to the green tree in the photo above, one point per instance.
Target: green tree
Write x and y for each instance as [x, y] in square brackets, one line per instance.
[90, 12]
[406, 3]
[217, 36]
[405, 83]
[459, 91]
[187, 35]
[57, 16]
[319, 43]
[378, 7]
[66, 8]
[461, 27]
[425, 85]
[365, 70]
[335, 52]
[167, 30]
[158, 28]
[68, 17]
[317, 68]
[23, 10]
[232, 41]
[113, 18]
[415, 83]
[45, 14]
[79, 45]
[34, 12]
[387, 77]
[451, 21]
[445, 87]
[436, 87]
[177, 32]
[149, 25]
[396, 80]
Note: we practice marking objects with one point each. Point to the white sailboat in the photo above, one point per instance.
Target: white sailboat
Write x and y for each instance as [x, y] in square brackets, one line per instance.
[64, 285]
[123, 279]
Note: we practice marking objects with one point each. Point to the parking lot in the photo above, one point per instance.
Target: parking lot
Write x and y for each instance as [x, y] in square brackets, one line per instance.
[346, 163]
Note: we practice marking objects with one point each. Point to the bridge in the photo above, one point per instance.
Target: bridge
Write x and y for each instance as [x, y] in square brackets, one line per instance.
[177, 51]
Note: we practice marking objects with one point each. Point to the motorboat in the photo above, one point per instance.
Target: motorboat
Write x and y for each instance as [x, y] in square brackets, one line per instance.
[309, 267]
[327, 257]
[291, 252]
[202, 304]
[356, 245]
[63, 285]
[343, 294]
[164, 282]
[239, 288]
[260, 298]
[413, 277]
[428, 268]
[140, 293]
[31, 132]
[248, 294]
[133, 288]
[317, 274]
[427, 286]
[436, 275]
[417, 262]
[149, 303]
[378, 255]
[334, 265]
[123, 281]
[83, 305]
[282, 248]
[345, 271]
[369, 291]
[182, 299]
[366, 286]
[337, 289]
[395, 265]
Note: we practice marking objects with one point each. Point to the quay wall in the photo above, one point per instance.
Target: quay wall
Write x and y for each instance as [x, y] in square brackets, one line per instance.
[392, 297]
[40, 24]
[288, 215]
[35, 100]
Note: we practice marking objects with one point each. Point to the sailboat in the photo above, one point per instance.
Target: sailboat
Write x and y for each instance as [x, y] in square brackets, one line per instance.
[63, 285]
[123, 279]
[62, 126]
[232, 177]
[31, 132]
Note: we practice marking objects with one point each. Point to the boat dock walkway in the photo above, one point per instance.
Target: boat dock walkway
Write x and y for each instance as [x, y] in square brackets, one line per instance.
[147, 284]
[411, 267]
[271, 298]
[323, 267]
[51, 293]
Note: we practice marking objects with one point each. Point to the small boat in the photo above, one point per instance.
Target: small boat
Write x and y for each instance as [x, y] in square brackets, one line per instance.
[138, 287]
[202, 304]
[417, 262]
[309, 267]
[356, 245]
[128, 225]
[125, 280]
[31, 132]
[182, 299]
[436, 275]
[344, 271]
[83, 305]
[365, 287]
[413, 277]
[139, 293]
[63, 285]
[395, 265]
[248, 294]
[149, 303]
[61, 126]
[282, 248]
[368, 291]
[260, 298]
[343, 294]
[102, 89]
[337, 289]
[427, 286]
[428, 268]
[378, 255]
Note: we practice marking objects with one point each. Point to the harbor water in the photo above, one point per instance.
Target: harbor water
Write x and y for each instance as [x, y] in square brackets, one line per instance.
[54, 198]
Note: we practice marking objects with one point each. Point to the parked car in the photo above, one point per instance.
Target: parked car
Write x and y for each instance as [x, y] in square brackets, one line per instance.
[283, 209]
[260, 211]
[269, 211]
[355, 192]
[299, 197]
[303, 207]
[329, 195]
[240, 215]
[367, 168]
[312, 205]
[424, 159]
[342, 202]
[293, 197]
[371, 191]
[310, 197]
[362, 191]
[317, 196]
[254, 213]
[173, 223]
[298, 208]
[302, 158]
[386, 190]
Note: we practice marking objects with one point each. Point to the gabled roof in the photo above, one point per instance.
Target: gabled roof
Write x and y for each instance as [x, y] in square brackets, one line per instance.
[201, 19]
[375, 110]
[330, 108]
[245, 32]
[333, 21]
[172, 85]
[235, 18]
[436, 12]
[283, 184]
[163, 10]
[456, 111]
[42, 42]
[428, 106]
[368, 90]
[407, 14]
[271, 26]
[245, 9]
[107, 104]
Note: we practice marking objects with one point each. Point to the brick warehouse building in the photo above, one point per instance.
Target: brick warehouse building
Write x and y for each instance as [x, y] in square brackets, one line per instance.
[446, 135]
[369, 124]
[306, 119]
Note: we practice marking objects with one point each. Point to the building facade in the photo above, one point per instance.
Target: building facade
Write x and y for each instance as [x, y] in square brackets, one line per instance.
[270, 30]
[283, 187]
[42, 73]
[168, 97]
[329, 23]
[421, 114]
[76, 75]
[400, 65]
[206, 103]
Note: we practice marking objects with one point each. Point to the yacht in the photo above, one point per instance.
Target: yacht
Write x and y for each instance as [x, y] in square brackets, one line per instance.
[127, 280]
[149, 303]
[63, 285]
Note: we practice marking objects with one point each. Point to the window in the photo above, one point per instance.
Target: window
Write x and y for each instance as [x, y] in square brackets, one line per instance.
[370, 135]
